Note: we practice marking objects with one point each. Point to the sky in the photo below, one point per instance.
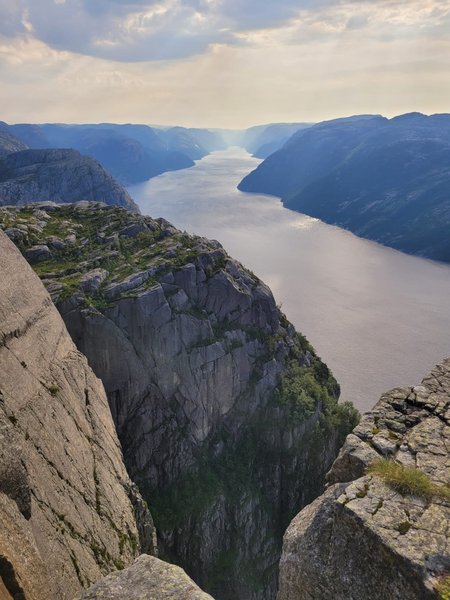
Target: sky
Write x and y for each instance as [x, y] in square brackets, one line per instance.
[221, 63]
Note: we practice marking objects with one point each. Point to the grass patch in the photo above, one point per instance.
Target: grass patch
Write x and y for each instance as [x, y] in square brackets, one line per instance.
[443, 588]
[408, 480]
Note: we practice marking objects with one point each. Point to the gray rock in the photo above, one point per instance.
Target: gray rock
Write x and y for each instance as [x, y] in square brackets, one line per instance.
[363, 540]
[133, 230]
[385, 446]
[56, 243]
[38, 253]
[15, 234]
[147, 579]
[58, 176]
[92, 281]
[129, 283]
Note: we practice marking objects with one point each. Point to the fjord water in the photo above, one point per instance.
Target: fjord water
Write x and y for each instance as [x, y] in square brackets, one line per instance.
[379, 318]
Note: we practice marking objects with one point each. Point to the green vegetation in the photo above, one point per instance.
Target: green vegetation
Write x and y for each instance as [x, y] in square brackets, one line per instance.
[443, 588]
[91, 239]
[408, 480]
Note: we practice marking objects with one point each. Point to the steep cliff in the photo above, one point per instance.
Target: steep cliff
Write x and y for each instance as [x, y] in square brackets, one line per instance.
[59, 176]
[381, 530]
[67, 505]
[227, 418]
[385, 180]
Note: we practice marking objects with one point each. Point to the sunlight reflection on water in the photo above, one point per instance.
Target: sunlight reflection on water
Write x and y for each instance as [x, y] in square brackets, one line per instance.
[379, 318]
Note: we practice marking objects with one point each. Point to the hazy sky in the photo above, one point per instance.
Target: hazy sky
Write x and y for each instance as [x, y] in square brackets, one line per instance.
[223, 63]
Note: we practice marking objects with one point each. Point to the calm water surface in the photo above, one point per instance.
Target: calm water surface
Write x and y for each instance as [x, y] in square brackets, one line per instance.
[379, 318]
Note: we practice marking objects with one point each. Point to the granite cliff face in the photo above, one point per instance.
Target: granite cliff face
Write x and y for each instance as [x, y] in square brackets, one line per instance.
[59, 176]
[67, 506]
[381, 530]
[227, 418]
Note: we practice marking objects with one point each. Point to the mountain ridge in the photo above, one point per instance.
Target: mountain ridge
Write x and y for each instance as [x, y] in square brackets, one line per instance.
[383, 179]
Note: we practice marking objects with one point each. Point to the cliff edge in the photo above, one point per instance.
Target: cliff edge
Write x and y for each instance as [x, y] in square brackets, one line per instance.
[381, 530]
[67, 506]
[227, 417]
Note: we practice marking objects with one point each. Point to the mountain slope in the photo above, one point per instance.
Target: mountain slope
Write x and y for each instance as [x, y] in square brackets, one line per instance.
[66, 501]
[308, 155]
[59, 176]
[263, 140]
[8, 142]
[130, 152]
[386, 180]
[227, 417]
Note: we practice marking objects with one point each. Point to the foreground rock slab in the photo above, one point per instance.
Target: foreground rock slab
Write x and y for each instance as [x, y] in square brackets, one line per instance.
[363, 539]
[67, 505]
[147, 579]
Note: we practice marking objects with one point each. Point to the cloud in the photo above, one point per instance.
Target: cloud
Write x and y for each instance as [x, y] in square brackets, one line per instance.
[221, 62]
[140, 30]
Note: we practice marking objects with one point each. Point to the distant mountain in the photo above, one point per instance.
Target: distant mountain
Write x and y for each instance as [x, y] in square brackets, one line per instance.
[131, 153]
[307, 155]
[59, 176]
[386, 180]
[9, 142]
[209, 140]
[263, 140]
[195, 143]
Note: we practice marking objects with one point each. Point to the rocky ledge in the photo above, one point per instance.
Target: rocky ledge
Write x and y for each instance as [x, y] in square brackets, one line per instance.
[147, 579]
[227, 418]
[381, 530]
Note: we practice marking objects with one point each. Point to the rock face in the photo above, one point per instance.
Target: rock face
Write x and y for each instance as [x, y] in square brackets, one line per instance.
[227, 418]
[385, 180]
[67, 505]
[368, 537]
[58, 176]
[147, 578]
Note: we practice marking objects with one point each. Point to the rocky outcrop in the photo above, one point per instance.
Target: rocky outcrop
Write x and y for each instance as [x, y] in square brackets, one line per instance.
[58, 176]
[227, 418]
[381, 528]
[148, 577]
[67, 505]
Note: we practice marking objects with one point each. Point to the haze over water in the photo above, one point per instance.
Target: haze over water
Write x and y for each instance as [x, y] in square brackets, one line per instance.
[379, 318]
